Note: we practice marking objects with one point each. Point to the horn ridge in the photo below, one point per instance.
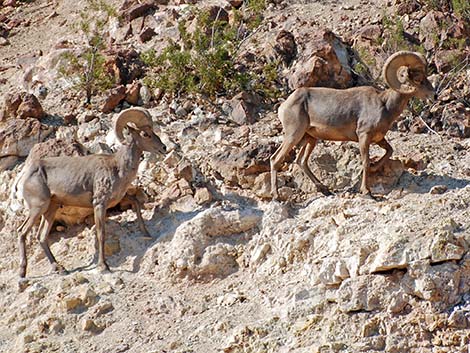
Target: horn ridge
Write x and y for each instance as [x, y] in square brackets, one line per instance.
[139, 116]
[412, 60]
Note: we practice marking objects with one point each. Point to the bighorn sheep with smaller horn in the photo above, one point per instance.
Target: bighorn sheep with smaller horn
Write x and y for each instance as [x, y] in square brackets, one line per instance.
[361, 114]
[97, 181]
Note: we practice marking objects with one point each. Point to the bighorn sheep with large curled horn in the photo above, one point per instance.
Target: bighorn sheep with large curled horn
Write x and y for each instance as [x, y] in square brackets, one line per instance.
[361, 114]
[97, 181]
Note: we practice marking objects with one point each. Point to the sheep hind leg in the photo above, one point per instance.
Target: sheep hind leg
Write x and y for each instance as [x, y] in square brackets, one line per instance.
[23, 230]
[100, 217]
[47, 222]
[308, 144]
[388, 153]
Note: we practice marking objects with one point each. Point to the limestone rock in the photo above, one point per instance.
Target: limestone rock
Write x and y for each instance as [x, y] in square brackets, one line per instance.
[201, 243]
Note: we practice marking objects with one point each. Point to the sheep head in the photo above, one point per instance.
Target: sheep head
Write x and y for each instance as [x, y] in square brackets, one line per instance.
[406, 72]
[139, 123]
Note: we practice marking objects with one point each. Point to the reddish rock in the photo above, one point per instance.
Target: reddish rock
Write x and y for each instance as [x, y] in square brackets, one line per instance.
[245, 107]
[323, 63]
[115, 96]
[30, 108]
[147, 34]
[285, 46]
[236, 3]
[369, 32]
[217, 13]
[133, 93]
[139, 10]
[11, 102]
[18, 136]
[125, 66]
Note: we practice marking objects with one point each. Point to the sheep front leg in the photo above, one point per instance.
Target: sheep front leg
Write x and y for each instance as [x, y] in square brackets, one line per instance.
[138, 211]
[388, 153]
[364, 145]
[100, 216]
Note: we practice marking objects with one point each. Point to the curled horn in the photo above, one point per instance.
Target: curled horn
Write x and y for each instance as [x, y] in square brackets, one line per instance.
[140, 117]
[397, 68]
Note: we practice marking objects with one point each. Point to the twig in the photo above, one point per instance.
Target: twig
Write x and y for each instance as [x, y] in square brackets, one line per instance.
[213, 27]
[429, 128]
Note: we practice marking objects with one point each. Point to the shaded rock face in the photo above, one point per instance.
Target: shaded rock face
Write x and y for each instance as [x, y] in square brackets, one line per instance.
[18, 136]
[125, 65]
[324, 62]
[245, 108]
[285, 46]
[241, 166]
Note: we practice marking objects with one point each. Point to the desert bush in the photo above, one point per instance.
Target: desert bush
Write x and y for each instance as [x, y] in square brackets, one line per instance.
[205, 61]
[86, 69]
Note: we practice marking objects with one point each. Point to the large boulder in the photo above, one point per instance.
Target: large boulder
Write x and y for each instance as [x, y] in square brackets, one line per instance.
[21, 105]
[323, 62]
[205, 246]
[241, 165]
[18, 136]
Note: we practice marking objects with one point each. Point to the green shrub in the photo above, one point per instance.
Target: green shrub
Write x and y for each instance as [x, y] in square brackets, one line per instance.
[87, 69]
[206, 61]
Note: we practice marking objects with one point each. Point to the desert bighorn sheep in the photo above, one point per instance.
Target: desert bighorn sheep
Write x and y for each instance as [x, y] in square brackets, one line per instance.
[361, 114]
[97, 181]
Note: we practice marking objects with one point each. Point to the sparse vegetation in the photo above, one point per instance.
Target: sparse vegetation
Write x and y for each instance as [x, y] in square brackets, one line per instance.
[461, 8]
[395, 39]
[205, 61]
[87, 69]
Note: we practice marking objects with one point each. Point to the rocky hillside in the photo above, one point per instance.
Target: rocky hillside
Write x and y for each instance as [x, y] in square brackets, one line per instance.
[225, 268]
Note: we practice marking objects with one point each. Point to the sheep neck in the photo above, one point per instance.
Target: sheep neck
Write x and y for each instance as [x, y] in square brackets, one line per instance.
[128, 157]
[395, 102]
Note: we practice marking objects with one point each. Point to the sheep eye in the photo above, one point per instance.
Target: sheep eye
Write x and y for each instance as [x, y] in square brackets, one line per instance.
[144, 134]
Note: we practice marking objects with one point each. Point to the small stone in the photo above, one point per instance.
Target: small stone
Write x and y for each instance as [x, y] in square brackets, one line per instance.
[23, 284]
[147, 34]
[28, 338]
[438, 189]
[103, 308]
[115, 96]
[88, 297]
[202, 196]
[458, 319]
[89, 325]
[181, 112]
[71, 303]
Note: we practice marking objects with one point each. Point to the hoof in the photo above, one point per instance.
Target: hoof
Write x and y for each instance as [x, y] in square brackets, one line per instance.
[59, 269]
[324, 190]
[22, 273]
[104, 268]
